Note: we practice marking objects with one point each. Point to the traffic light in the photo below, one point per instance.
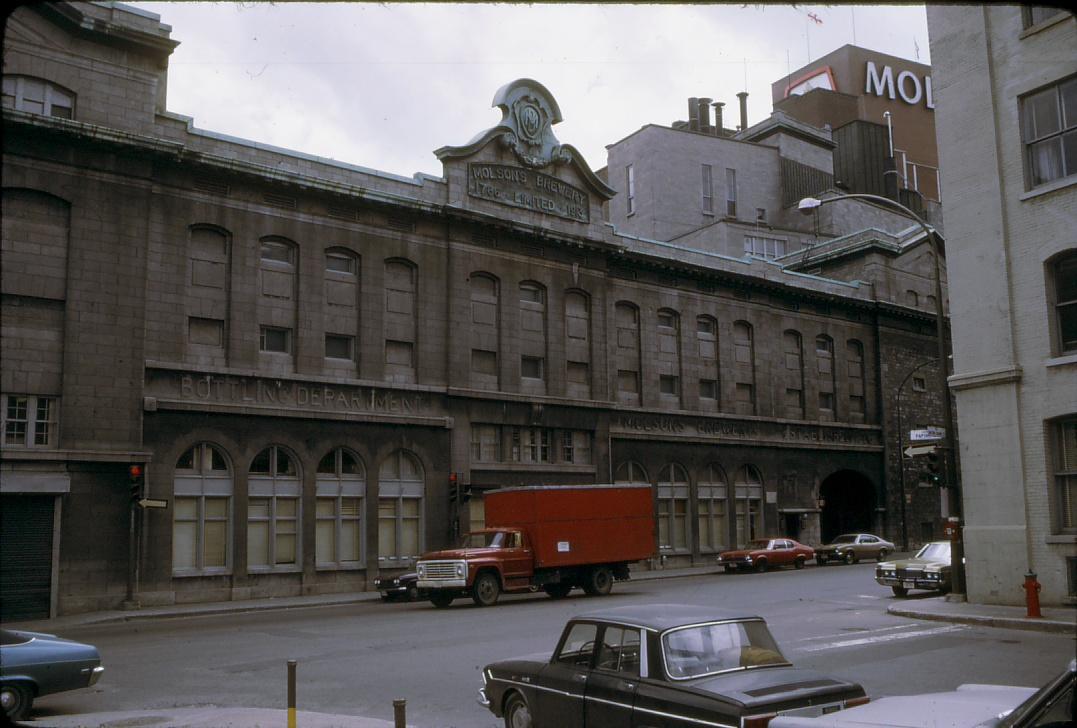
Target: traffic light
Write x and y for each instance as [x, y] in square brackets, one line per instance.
[454, 489]
[136, 476]
[934, 473]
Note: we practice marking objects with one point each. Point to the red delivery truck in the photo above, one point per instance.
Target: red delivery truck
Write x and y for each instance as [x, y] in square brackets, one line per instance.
[549, 537]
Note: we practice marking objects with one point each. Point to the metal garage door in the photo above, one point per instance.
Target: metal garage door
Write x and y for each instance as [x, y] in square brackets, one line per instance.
[26, 557]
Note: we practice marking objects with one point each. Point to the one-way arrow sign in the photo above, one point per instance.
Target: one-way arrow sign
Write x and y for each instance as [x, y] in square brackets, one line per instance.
[153, 503]
[913, 451]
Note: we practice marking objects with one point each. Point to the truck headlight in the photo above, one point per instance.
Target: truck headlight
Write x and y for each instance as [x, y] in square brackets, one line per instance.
[460, 570]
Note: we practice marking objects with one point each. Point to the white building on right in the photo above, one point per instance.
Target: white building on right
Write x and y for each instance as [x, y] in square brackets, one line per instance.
[1006, 117]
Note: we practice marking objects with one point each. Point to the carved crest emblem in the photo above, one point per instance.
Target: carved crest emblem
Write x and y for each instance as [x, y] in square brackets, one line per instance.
[530, 119]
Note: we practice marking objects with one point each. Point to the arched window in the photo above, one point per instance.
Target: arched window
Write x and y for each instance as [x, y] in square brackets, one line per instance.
[827, 382]
[1062, 286]
[749, 491]
[794, 377]
[273, 511]
[401, 284]
[485, 331]
[577, 345]
[627, 355]
[744, 367]
[38, 96]
[854, 354]
[401, 490]
[713, 490]
[631, 472]
[340, 489]
[202, 508]
[672, 516]
[912, 298]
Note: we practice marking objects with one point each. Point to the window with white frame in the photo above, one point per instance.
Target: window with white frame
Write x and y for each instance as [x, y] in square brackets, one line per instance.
[30, 420]
[1049, 132]
[401, 490]
[764, 247]
[485, 443]
[673, 528]
[339, 489]
[713, 490]
[201, 514]
[38, 96]
[708, 190]
[749, 492]
[273, 511]
[576, 447]
[530, 445]
[1065, 469]
[1063, 275]
[631, 472]
[731, 192]
[630, 185]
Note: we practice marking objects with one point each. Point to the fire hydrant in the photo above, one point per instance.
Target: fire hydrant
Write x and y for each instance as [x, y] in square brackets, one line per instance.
[1032, 594]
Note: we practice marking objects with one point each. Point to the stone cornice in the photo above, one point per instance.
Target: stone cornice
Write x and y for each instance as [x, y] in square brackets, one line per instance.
[985, 378]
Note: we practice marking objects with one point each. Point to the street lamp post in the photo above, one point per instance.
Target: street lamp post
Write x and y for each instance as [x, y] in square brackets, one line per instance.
[809, 205]
[901, 452]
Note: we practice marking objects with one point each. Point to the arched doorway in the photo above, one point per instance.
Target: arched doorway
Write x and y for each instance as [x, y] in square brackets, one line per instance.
[848, 504]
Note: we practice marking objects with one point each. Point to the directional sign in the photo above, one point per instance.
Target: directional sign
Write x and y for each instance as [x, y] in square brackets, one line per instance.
[927, 434]
[153, 503]
[913, 451]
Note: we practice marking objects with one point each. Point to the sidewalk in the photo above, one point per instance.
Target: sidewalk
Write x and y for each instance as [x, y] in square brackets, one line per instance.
[1054, 619]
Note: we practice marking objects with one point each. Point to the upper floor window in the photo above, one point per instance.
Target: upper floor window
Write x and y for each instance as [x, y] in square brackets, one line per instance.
[38, 96]
[1036, 14]
[630, 185]
[731, 192]
[277, 251]
[764, 247]
[708, 190]
[1049, 128]
[1065, 446]
[339, 262]
[1064, 274]
[29, 421]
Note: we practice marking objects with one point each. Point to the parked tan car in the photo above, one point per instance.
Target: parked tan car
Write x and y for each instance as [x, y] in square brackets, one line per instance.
[852, 547]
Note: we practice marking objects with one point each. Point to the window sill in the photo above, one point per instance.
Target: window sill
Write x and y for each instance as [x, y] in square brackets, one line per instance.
[1061, 538]
[357, 566]
[204, 572]
[1049, 187]
[1061, 361]
[275, 569]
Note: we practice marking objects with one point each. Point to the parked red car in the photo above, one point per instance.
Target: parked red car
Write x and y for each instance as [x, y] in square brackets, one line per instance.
[763, 553]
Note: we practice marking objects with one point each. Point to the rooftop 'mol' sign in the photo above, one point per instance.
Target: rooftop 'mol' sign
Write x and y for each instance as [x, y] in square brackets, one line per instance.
[907, 85]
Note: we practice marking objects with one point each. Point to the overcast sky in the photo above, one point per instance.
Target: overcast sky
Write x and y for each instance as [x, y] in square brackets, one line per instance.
[383, 85]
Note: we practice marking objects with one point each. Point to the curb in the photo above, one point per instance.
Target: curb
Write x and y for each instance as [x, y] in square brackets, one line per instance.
[1041, 625]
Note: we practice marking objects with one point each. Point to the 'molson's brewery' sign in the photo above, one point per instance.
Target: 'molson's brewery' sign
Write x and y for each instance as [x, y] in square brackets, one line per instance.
[527, 189]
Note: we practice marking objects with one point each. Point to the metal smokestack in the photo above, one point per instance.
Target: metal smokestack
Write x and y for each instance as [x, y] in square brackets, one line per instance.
[693, 114]
[743, 96]
[718, 117]
[705, 115]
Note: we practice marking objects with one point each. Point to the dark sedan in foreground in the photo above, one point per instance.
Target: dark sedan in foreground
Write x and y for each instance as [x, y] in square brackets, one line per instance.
[660, 665]
[34, 664]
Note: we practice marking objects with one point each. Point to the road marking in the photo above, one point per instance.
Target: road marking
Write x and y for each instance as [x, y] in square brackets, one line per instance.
[846, 633]
[881, 638]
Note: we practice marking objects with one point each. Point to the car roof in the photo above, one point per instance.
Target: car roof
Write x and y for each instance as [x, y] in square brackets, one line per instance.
[661, 617]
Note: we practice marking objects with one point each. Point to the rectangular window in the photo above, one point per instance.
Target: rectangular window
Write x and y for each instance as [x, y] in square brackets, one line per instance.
[1066, 475]
[1065, 295]
[205, 331]
[337, 538]
[399, 353]
[484, 362]
[627, 381]
[856, 404]
[708, 389]
[30, 421]
[731, 192]
[630, 185]
[708, 190]
[919, 384]
[398, 528]
[200, 533]
[576, 447]
[745, 398]
[339, 263]
[271, 531]
[826, 401]
[486, 443]
[668, 384]
[531, 367]
[276, 251]
[530, 445]
[1049, 128]
[338, 346]
[1035, 14]
[764, 247]
[275, 340]
[578, 372]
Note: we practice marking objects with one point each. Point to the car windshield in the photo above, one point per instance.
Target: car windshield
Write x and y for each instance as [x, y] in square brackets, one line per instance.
[845, 538]
[759, 543]
[719, 647]
[484, 540]
[934, 552]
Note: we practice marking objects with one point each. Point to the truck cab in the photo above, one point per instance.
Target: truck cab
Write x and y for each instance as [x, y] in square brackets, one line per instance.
[503, 554]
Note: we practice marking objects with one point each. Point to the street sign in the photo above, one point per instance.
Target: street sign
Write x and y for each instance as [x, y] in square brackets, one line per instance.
[927, 434]
[153, 503]
[913, 451]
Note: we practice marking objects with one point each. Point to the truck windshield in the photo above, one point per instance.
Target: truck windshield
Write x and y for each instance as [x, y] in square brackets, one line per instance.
[717, 647]
[484, 540]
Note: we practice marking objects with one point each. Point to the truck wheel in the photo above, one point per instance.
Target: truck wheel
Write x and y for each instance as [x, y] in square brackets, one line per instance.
[440, 600]
[16, 700]
[900, 591]
[517, 714]
[850, 557]
[799, 563]
[486, 589]
[557, 591]
[599, 582]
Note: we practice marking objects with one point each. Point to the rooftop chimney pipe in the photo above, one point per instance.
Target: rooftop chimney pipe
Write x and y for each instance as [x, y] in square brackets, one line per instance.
[705, 115]
[743, 96]
[718, 117]
[693, 114]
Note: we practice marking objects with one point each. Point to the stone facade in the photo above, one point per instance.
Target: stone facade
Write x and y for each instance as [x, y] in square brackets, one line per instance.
[1015, 379]
[312, 359]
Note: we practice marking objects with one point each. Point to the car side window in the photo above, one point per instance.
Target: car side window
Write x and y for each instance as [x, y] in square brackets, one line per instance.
[578, 645]
[619, 651]
[868, 539]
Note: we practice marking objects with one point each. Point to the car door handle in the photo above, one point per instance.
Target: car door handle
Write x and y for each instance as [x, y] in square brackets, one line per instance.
[578, 676]
[629, 686]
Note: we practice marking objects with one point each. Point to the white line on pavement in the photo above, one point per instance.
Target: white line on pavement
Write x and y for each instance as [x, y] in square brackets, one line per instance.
[846, 634]
[880, 638]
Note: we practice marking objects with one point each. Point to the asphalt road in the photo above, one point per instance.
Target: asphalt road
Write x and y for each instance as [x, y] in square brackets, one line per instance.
[356, 659]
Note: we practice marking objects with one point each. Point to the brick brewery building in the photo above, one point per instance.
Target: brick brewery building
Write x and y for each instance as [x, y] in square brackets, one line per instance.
[310, 358]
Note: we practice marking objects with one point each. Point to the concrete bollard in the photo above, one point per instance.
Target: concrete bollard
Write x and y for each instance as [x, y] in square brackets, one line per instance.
[291, 693]
[399, 708]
